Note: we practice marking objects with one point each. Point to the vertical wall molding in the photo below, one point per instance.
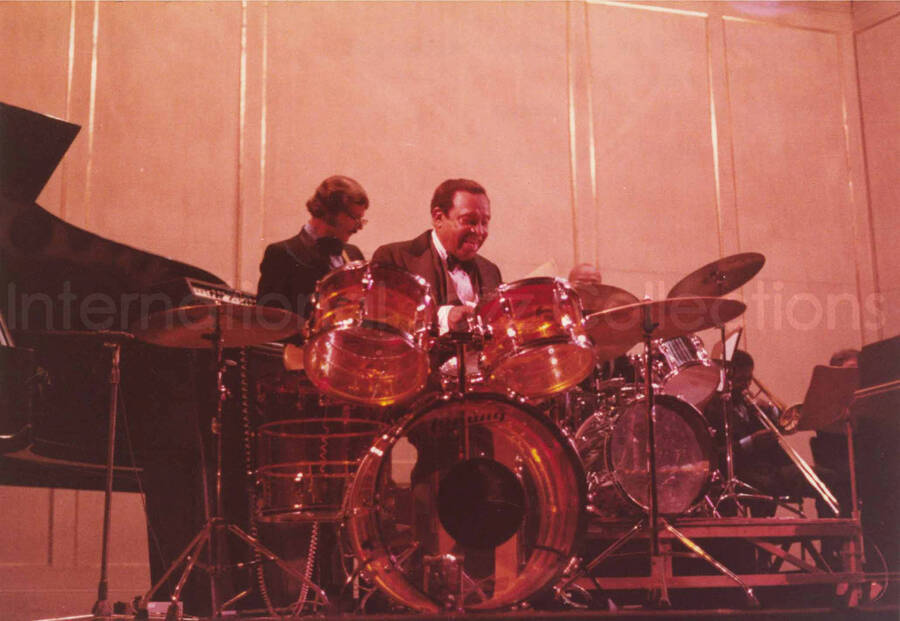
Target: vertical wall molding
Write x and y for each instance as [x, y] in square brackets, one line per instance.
[92, 108]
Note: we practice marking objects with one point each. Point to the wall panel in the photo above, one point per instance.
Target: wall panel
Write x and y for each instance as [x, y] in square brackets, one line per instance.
[792, 186]
[436, 91]
[164, 169]
[33, 64]
[790, 161]
[655, 179]
[878, 55]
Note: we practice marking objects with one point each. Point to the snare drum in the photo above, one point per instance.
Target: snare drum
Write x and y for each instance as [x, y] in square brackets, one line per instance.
[369, 336]
[537, 345]
[684, 369]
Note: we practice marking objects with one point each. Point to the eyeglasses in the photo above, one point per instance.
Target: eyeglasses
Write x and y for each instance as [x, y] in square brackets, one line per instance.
[360, 221]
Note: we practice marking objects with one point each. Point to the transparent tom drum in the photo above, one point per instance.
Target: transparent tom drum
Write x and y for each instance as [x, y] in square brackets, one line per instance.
[537, 345]
[369, 335]
[470, 503]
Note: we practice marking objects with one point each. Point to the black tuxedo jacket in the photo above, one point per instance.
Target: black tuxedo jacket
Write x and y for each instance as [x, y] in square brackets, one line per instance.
[419, 257]
[290, 270]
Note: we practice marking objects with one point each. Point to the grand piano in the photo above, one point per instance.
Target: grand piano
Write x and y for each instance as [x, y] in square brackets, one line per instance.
[62, 285]
[66, 292]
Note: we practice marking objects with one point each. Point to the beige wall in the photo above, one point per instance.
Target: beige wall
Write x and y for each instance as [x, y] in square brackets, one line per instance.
[650, 138]
[877, 39]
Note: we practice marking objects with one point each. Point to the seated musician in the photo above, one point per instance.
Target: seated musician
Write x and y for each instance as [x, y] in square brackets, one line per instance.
[758, 458]
[290, 268]
[447, 256]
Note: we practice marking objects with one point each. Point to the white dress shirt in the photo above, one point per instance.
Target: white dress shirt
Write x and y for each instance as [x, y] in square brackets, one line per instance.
[461, 281]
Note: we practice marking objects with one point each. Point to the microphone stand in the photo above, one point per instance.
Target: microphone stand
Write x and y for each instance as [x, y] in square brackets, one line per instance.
[113, 342]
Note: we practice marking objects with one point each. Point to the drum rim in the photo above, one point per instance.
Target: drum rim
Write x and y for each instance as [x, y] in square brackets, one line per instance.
[702, 419]
[354, 322]
[360, 264]
[686, 365]
[582, 341]
[423, 407]
[269, 429]
[319, 381]
[533, 280]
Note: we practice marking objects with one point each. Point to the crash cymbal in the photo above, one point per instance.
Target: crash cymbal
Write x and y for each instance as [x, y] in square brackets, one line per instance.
[617, 330]
[192, 326]
[719, 277]
[596, 297]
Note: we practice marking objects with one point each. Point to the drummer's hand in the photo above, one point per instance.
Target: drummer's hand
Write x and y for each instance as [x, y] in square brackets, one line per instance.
[458, 318]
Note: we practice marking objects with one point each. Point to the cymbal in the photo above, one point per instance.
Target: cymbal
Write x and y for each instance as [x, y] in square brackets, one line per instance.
[617, 330]
[719, 277]
[596, 297]
[192, 326]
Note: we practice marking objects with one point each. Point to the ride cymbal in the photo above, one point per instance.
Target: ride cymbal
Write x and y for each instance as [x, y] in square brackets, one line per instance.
[719, 277]
[616, 330]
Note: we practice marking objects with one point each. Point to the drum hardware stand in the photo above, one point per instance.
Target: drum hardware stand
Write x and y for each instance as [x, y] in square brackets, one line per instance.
[212, 534]
[653, 521]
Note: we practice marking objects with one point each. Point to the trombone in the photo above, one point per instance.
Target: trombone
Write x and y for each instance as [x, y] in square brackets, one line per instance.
[805, 469]
[787, 417]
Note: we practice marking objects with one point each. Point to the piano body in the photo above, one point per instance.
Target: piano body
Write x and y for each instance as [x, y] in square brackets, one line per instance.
[60, 285]
[64, 291]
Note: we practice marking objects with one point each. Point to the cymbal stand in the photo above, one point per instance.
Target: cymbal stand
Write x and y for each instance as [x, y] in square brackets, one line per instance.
[733, 488]
[653, 521]
[211, 535]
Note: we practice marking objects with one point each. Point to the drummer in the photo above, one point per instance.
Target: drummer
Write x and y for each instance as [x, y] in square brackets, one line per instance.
[447, 255]
[290, 268]
[447, 258]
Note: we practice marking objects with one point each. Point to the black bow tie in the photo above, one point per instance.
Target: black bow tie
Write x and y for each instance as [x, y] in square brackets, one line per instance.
[330, 246]
[453, 263]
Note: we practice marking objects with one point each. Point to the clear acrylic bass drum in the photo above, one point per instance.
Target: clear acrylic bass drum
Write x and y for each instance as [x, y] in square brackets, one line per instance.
[469, 503]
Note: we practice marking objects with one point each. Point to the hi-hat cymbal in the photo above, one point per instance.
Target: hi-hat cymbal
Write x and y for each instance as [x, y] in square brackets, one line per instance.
[192, 326]
[617, 330]
[596, 297]
[719, 277]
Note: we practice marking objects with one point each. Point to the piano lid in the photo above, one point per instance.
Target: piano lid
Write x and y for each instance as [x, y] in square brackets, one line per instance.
[48, 266]
[56, 277]
[31, 146]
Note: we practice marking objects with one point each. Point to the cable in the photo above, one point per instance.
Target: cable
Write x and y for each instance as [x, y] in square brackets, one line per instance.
[247, 439]
[310, 562]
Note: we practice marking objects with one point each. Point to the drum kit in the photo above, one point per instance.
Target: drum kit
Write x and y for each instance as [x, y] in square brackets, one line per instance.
[468, 485]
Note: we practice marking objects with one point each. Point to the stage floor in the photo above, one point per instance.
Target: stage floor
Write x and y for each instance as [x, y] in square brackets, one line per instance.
[865, 613]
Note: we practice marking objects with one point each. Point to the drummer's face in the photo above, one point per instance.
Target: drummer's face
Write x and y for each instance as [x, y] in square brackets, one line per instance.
[463, 229]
